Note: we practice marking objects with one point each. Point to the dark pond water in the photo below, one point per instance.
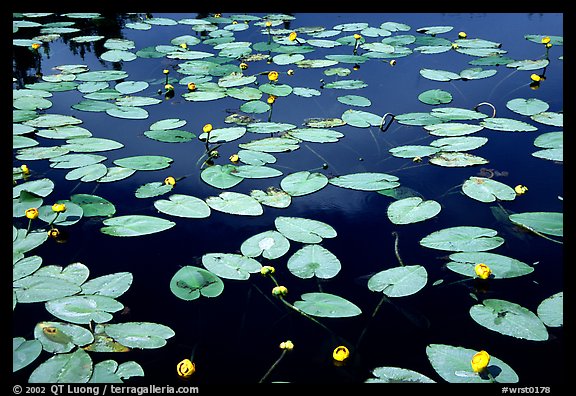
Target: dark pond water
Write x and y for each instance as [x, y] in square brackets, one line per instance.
[236, 335]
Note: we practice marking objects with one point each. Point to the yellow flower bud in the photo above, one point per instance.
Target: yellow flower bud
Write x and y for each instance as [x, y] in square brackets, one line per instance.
[217, 15]
[169, 87]
[31, 213]
[462, 35]
[273, 76]
[165, 71]
[59, 207]
[393, 62]
[454, 46]
[24, 169]
[545, 40]
[234, 22]
[535, 77]
[341, 353]
[207, 128]
[290, 72]
[287, 345]
[271, 99]
[185, 368]
[480, 361]
[520, 189]
[548, 45]
[35, 46]
[191, 86]
[170, 181]
[183, 45]
[53, 233]
[482, 270]
[267, 270]
[292, 36]
[357, 36]
[243, 65]
[279, 291]
[234, 158]
[268, 23]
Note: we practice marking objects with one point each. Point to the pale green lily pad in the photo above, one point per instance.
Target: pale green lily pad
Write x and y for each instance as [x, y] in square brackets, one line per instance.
[551, 310]
[66, 337]
[412, 210]
[361, 119]
[527, 107]
[25, 266]
[354, 100]
[230, 266]
[305, 92]
[399, 281]
[19, 142]
[269, 244]
[189, 283]
[134, 101]
[235, 203]
[102, 75]
[323, 122]
[463, 238]
[271, 145]
[135, 225]
[276, 89]
[327, 306]
[244, 93]
[413, 151]
[72, 367]
[255, 107]
[549, 223]
[272, 197]
[256, 172]
[31, 103]
[315, 63]
[24, 352]
[528, 64]
[235, 79]
[555, 154]
[72, 215]
[52, 120]
[41, 187]
[302, 183]
[476, 73]
[366, 181]
[142, 335]
[152, 189]
[439, 75]
[456, 113]
[23, 243]
[144, 162]
[269, 127]
[286, 59]
[64, 132]
[91, 144]
[183, 206]
[129, 112]
[394, 375]
[221, 176]
[93, 105]
[510, 319]
[166, 124]
[487, 190]
[170, 136]
[38, 288]
[250, 157]
[459, 143]
[507, 124]
[501, 266]
[316, 135]
[84, 309]
[314, 260]
[346, 84]
[550, 140]
[453, 365]
[116, 173]
[88, 173]
[435, 96]
[116, 55]
[304, 230]
[76, 273]
[549, 118]
[112, 285]
[418, 118]
[456, 159]
[24, 202]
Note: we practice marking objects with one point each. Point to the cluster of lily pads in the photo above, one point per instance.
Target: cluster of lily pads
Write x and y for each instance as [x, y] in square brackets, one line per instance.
[211, 64]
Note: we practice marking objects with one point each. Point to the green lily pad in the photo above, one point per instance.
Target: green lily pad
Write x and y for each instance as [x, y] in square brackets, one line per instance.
[170, 136]
[129, 112]
[235, 203]
[304, 230]
[230, 266]
[84, 309]
[305, 92]
[412, 210]
[41, 187]
[64, 132]
[549, 118]
[72, 367]
[314, 260]
[23, 243]
[183, 206]
[394, 375]
[527, 107]
[129, 101]
[327, 306]
[135, 225]
[144, 162]
[551, 310]
[456, 159]
[66, 337]
[366, 181]
[166, 124]
[418, 119]
[142, 335]
[102, 75]
[453, 365]
[272, 197]
[255, 107]
[24, 202]
[354, 100]
[413, 151]
[487, 190]
[38, 288]
[271, 145]
[276, 89]
[452, 129]
[116, 55]
[549, 223]
[457, 143]
[399, 281]
[87, 173]
[250, 157]
[220, 135]
[315, 63]
[346, 84]
[269, 244]
[316, 135]
[507, 124]
[303, 183]
[72, 215]
[456, 113]
[112, 285]
[25, 266]
[555, 154]
[52, 120]
[361, 119]
[189, 283]
[91, 144]
[24, 352]
[116, 173]
[93, 105]
[510, 319]
[476, 73]
[152, 189]
[501, 266]
[463, 238]
[221, 176]
[256, 172]
[435, 96]
[244, 93]
[269, 127]
[528, 64]
[550, 140]
[439, 75]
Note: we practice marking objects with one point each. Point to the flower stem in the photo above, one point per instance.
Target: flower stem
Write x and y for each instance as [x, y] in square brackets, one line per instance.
[273, 366]
[384, 298]
[53, 220]
[29, 225]
[396, 251]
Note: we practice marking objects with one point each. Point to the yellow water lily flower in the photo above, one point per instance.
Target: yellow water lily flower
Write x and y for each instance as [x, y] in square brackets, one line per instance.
[183, 45]
[290, 72]
[548, 45]
[234, 158]
[53, 233]
[59, 207]
[480, 361]
[271, 99]
[340, 353]
[279, 291]
[273, 76]
[24, 169]
[243, 65]
[482, 270]
[287, 345]
[454, 46]
[185, 368]
[393, 62]
[169, 87]
[268, 23]
[292, 36]
[520, 189]
[357, 36]
[165, 71]
[170, 181]
[191, 86]
[207, 128]
[35, 46]
[31, 213]
[267, 270]
[217, 15]
[462, 35]
[545, 40]
[535, 77]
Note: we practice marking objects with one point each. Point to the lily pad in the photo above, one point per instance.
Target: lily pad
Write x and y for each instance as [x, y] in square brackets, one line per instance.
[549, 223]
[142, 335]
[304, 230]
[439, 75]
[487, 190]
[72, 367]
[316, 135]
[84, 309]
[399, 281]
[507, 124]
[361, 119]
[551, 310]
[189, 283]
[527, 107]
[272, 197]
[230, 266]
[412, 210]
[463, 238]
[24, 352]
[61, 337]
[112, 285]
[135, 225]
[271, 145]
[549, 118]
[413, 151]
[435, 96]
[354, 100]
[152, 189]
[394, 375]
[269, 127]
[302, 183]
[41, 187]
[366, 181]
[235, 203]
[269, 244]
[452, 129]
[456, 159]
[327, 306]
[457, 143]
[314, 260]
[221, 176]
[346, 84]
[144, 162]
[510, 319]
[91, 144]
[501, 266]
[116, 173]
[183, 206]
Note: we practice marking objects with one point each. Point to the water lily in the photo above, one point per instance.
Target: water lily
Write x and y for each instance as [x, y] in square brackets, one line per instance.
[268, 24]
[31, 213]
[287, 345]
[35, 46]
[165, 71]
[53, 233]
[393, 62]
[279, 291]
[207, 128]
[290, 72]
[183, 45]
[357, 37]
[185, 368]
[170, 181]
[59, 207]
[340, 353]
[273, 76]
[234, 158]
[480, 361]
[482, 270]
[169, 87]
[462, 35]
[520, 189]
[191, 86]
[545, 40]
[24, 169]
[271, 99]
[243, 65]
[535, 77]
[267, 270]
[292, 36]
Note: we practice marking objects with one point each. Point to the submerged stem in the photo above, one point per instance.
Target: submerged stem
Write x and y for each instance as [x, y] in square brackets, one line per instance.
[396, 251]
[273, 366]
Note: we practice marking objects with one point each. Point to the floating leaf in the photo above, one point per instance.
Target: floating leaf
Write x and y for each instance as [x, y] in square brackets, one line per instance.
[549, 223]
[361, 119]
[38, 288]
[72, 367]
[102, 75]
[37, 153]
[116, 173]
[555, 154]
[528, 64]
[230, 266]
[112, 285]
[152, 189]
[144, 162]
[130, 87]
[527, 107]
[270, 244]
[456, 113]
[453, 365]
[302, 183]
[58, 337]
[439, 75]
[550, 140]
[412, 210]
[129, 112]
[118, 56]
[221, 176]
[272, 197]
[452, 129]
[394, 375]
[255, 107]
[269, 127]
[276, 89]
[71, 216]
[25, 267]
[24, 242]
[366, 181]
[235, 203]
[144, 335]
[316, 135]
[314, 260]
[41, 187]
[501, 266]
[456, 159]
[168, 123]
[487, 190]
[327, 306]
[463, 238]
[399, 281]
[189, 283]
[458, 143]
[507, 124]
[551, 310]
[419, 119]
[304, 230]
[135, 225]
[549, 118]
[170, 136]
[354, 100]
[346, 84]
[256, 172]
[84, 309]
[24, 352]
[435, 96]
[91, 144]
[183, 206]
[87, 173]
[250, 157]
[413, 151]
[476, 73]
[271, 145]
[509, 319]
